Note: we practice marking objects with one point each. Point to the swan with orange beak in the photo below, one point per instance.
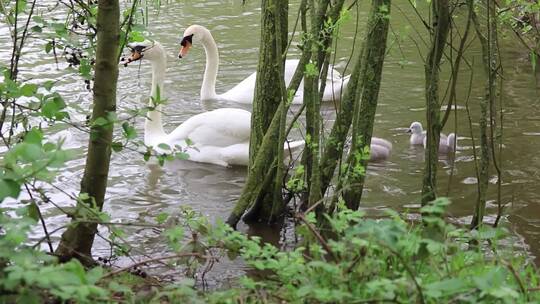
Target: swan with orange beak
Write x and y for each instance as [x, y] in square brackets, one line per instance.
[219, 137]
[243, 92]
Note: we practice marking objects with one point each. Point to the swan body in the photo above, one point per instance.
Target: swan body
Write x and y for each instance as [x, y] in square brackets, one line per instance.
[446, 143]
[417, 133]
[380, 149]
[243, 92]
[65, 138]
[218, 137]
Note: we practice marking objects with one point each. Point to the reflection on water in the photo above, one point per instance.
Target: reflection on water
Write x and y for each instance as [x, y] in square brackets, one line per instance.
[139, 191]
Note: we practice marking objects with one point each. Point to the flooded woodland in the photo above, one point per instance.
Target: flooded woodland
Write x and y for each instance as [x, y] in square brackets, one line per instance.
[289, 151]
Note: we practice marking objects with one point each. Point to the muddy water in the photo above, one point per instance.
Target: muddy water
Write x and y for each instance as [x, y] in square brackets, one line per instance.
[139, 191]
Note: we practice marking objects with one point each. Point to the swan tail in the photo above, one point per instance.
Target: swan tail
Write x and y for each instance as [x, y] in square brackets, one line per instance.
[294, 145]
[345, 80]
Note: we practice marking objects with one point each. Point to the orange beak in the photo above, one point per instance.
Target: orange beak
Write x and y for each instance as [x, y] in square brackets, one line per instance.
[134, 56]
[184, 50]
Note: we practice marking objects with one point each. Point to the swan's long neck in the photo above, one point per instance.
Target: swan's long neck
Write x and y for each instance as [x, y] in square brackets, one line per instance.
[208, 88]
[153, 127]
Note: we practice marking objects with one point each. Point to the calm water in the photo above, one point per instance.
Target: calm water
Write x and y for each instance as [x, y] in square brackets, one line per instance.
[139, 191]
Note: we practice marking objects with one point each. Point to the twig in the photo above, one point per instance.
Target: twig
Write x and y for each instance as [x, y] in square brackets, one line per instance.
[321, 240]
[169, 257]
[47, 236]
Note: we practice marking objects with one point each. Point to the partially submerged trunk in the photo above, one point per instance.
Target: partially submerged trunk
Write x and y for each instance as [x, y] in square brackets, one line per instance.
[364, 110]
[491, 63]
[441, 26]
[268, 107]
[77, 240]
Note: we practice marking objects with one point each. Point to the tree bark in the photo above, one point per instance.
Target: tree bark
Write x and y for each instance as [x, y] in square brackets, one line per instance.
[364, 111]
[441, 26]
[312, 102]
[268, 95]
[77, 240]
[487, 105]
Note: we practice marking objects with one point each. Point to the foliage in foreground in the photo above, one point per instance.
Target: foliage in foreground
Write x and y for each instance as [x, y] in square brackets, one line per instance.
[366, 259]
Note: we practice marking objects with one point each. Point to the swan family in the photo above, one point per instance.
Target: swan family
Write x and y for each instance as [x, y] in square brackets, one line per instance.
[447, 144]
[221, 136]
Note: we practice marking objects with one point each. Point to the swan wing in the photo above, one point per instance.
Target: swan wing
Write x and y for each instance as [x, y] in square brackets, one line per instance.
[218, 128]
[242, 92]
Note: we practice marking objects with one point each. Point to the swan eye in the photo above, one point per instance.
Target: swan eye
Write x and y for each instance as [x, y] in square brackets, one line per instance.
[187, 39]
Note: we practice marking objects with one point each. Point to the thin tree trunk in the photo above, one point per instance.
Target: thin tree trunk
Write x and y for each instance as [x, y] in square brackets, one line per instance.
[312, 101]
[487, 105]
[364, 111]
[77, 240]
[441, 22]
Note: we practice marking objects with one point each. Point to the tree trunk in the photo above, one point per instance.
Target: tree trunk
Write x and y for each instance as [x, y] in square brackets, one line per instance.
[441, 26]
[77, 240]
[487, 105]
[364, 111]
[312, 102]
[268, 95]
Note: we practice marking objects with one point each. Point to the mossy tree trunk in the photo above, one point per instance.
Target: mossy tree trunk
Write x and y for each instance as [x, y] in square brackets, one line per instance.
[334, 145]
[366, 105]
[324, 17]
[312, 100]
[77, 240]
[441, 26]
[269, 94]
[487, 104]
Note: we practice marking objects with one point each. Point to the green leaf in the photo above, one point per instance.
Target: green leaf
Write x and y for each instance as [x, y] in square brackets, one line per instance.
[38, 19]
[51, 108]
[129, 131]
[93, 275]
[85, 68]
[48, 47]
[147, 155]
[181, 155]
[48, 84]
[164, 146]
[311, 70]
[30, 152]
[33, 136]
[29, 90]
[100, 122]
[136, 36]
[117, 146]
[9, 188]
[162, 217]
[36, 29]
[21, 5]
[33, 211]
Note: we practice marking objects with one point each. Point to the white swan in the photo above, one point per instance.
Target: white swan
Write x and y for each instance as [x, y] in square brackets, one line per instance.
[446, 144]
[65, 138]
[218, 137]
[244, 91]
[417, 133]
[379, 149]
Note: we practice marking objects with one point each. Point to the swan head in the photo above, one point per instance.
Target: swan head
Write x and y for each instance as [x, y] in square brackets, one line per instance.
[149, 50]
[193, 34]
[415, 128]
